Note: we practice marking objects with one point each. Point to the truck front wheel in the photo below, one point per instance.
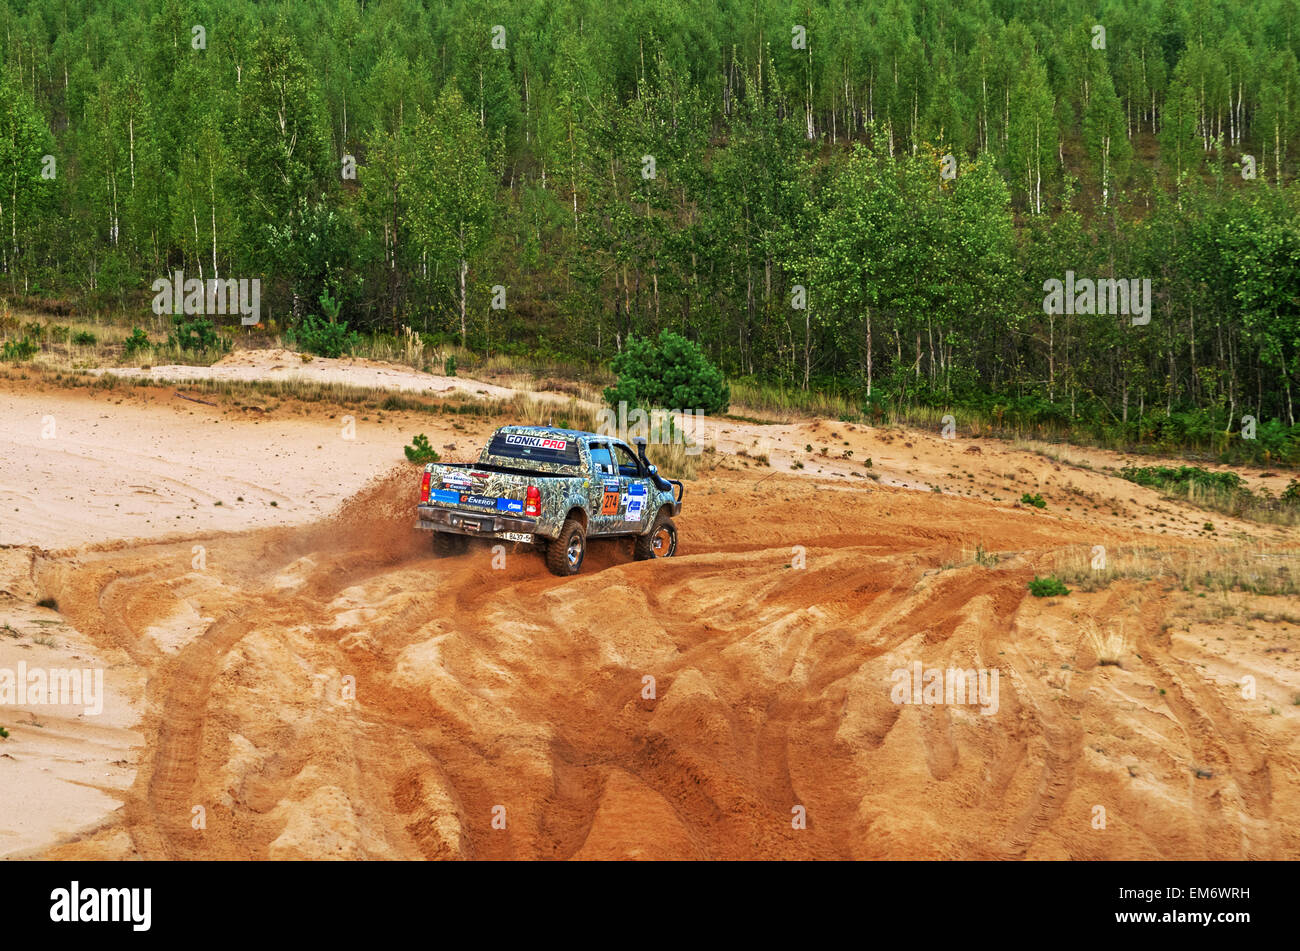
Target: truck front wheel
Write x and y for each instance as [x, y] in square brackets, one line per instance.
[565, 552]
[659, 542]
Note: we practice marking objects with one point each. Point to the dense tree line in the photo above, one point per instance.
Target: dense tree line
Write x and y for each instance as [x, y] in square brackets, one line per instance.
[862, 196]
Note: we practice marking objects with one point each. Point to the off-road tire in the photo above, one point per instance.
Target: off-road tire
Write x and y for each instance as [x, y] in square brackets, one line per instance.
[565, 552]
[662, 531]
[445, 544]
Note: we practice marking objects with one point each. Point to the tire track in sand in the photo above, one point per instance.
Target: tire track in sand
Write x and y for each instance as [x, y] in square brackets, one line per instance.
[159, 812]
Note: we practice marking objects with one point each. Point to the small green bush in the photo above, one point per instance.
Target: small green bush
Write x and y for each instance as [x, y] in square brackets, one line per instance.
[1047, 587]
[137, 342]
[1035, 500]
[671, 372]
[449, 365]
[420, 452]
[326, 336]
[198, 333]
[84, 338]
[1291, 494]
[23, 349]
[325, 339]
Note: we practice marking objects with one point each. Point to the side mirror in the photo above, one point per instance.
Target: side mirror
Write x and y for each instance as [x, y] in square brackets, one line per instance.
[654, 469]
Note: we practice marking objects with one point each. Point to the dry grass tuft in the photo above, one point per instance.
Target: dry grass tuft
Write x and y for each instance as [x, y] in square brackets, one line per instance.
[1110, 648]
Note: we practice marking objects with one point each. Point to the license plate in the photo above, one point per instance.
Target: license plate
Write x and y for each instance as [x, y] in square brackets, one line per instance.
[517, 537]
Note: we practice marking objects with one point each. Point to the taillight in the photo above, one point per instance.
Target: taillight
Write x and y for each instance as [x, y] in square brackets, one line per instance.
[424, 488]
[533, 501]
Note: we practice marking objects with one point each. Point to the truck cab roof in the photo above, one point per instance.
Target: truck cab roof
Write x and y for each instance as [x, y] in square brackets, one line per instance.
[549, 448]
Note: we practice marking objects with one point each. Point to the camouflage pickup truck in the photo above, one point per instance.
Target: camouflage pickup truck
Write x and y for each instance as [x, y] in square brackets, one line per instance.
[553, 488]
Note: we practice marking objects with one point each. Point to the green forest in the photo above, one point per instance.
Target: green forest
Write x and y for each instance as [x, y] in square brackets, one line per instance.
[866, 199]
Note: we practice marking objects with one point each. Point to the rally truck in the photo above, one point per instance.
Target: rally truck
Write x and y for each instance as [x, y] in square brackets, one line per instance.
[553, 489]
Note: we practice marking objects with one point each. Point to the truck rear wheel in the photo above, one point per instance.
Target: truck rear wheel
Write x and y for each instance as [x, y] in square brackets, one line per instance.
[446, 544]
[565, 552]
[659, 542]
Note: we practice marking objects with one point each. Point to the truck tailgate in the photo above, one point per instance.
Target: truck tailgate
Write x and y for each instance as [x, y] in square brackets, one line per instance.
[475, 490]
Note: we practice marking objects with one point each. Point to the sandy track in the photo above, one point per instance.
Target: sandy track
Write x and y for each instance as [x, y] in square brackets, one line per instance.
[478, 688]
[324, 687]
[288, 367]
[98, 467]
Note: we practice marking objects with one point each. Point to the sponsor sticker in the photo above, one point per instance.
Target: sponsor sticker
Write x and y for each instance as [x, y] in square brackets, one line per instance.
[634, 504]
[536, 442]
[509, 505]
[445, 496]
[483, 500]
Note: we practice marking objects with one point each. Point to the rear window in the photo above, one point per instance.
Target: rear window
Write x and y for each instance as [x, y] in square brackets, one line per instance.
[530, 447]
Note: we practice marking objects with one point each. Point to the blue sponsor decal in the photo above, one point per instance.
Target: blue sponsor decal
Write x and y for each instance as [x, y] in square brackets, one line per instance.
[636, 488]
[445, 496]
[509, 505]
[611, 485]
[486, 501]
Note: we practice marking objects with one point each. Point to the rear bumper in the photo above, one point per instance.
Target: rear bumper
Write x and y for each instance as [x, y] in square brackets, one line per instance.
[434, 518]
